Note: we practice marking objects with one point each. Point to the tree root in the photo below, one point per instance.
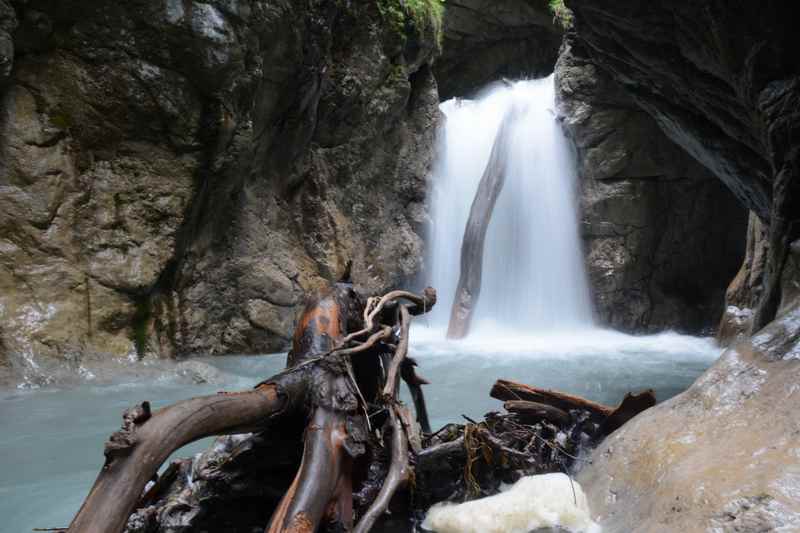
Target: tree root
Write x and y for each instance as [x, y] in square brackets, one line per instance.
[362, 454]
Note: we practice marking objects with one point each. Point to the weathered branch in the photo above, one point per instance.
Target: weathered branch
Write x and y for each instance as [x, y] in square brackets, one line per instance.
[533, 411]
[415, 382]
[134, 454]
[398, 474]
[422, 304]
[393, 374]
[323, 482]
[512, 390]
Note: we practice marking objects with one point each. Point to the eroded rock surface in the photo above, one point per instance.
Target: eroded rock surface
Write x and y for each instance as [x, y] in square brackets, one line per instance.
[663, 235]
[485, 40]
[724, 84]
[722, 456]
[174, 175]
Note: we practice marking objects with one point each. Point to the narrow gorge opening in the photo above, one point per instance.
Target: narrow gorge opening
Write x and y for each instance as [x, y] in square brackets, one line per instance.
[534, 319]
[347, 141]
[533, 275]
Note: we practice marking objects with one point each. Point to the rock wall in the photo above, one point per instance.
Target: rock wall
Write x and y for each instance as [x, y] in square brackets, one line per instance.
[663, 235]
[724, 84]
[485, 40]
[174, 175]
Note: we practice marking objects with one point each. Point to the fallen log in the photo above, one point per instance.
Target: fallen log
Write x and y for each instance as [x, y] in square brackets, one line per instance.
[511, 390]
[469, 281]
[533, 411]
[552, 405]
[631, 405]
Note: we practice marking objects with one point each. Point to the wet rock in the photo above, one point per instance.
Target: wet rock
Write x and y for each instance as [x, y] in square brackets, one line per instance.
[8, 23]
[662, 234]
[727, 96]
[735, 325]
[745, 290]
[175, 176]
[721, 456]
[199, 372]
[485, 40]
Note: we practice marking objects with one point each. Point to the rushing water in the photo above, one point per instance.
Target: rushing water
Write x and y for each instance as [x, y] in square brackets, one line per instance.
[533, 275]
[533, 323]
[52, 438]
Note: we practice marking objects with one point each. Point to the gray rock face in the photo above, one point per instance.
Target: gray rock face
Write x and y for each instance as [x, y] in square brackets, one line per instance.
[745, 290]
[723, 84]
[175, 175]
[663, 236]
[721, 456]
[8, 23]
[485, 40]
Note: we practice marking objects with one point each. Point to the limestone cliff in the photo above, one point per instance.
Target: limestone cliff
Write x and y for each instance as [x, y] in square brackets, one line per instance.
[723, 82]
[485, 40]
[173, 175]
[663, 235]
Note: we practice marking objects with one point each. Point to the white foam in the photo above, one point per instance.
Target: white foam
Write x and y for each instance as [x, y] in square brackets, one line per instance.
[491, 339]
[532, 502]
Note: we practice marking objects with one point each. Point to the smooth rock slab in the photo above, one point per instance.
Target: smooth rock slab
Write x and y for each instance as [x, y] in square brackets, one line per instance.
[723, 456]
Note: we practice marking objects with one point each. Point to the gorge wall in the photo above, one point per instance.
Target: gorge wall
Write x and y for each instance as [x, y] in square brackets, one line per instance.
[175, 175]
[486, 40]
[722, 81]
[663, 235]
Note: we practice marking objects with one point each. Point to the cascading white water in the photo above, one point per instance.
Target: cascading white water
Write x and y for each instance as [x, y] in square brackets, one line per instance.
[533, 273]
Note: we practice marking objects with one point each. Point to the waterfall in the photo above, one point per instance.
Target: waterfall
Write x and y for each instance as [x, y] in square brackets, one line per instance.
[533, 271]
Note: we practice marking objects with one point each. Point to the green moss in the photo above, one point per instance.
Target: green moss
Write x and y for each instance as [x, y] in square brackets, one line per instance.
[141, 325]
[562, 15]
[60, 121]
[426, 15]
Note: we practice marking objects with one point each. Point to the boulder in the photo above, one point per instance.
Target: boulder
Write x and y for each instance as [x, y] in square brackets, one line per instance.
[721, 456]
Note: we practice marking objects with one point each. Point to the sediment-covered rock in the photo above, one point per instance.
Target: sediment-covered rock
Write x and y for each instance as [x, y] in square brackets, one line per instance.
[663, 235]
[174, 175]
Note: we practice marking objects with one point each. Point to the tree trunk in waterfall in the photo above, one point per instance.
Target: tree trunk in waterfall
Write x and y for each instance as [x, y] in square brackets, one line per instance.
[480, 214]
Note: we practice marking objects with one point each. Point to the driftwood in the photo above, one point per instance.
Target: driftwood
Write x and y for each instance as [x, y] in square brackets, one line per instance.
[537, 411]
[134, 453]
[523, 399]
[362, 450]
[339, 337]
[480, 214]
